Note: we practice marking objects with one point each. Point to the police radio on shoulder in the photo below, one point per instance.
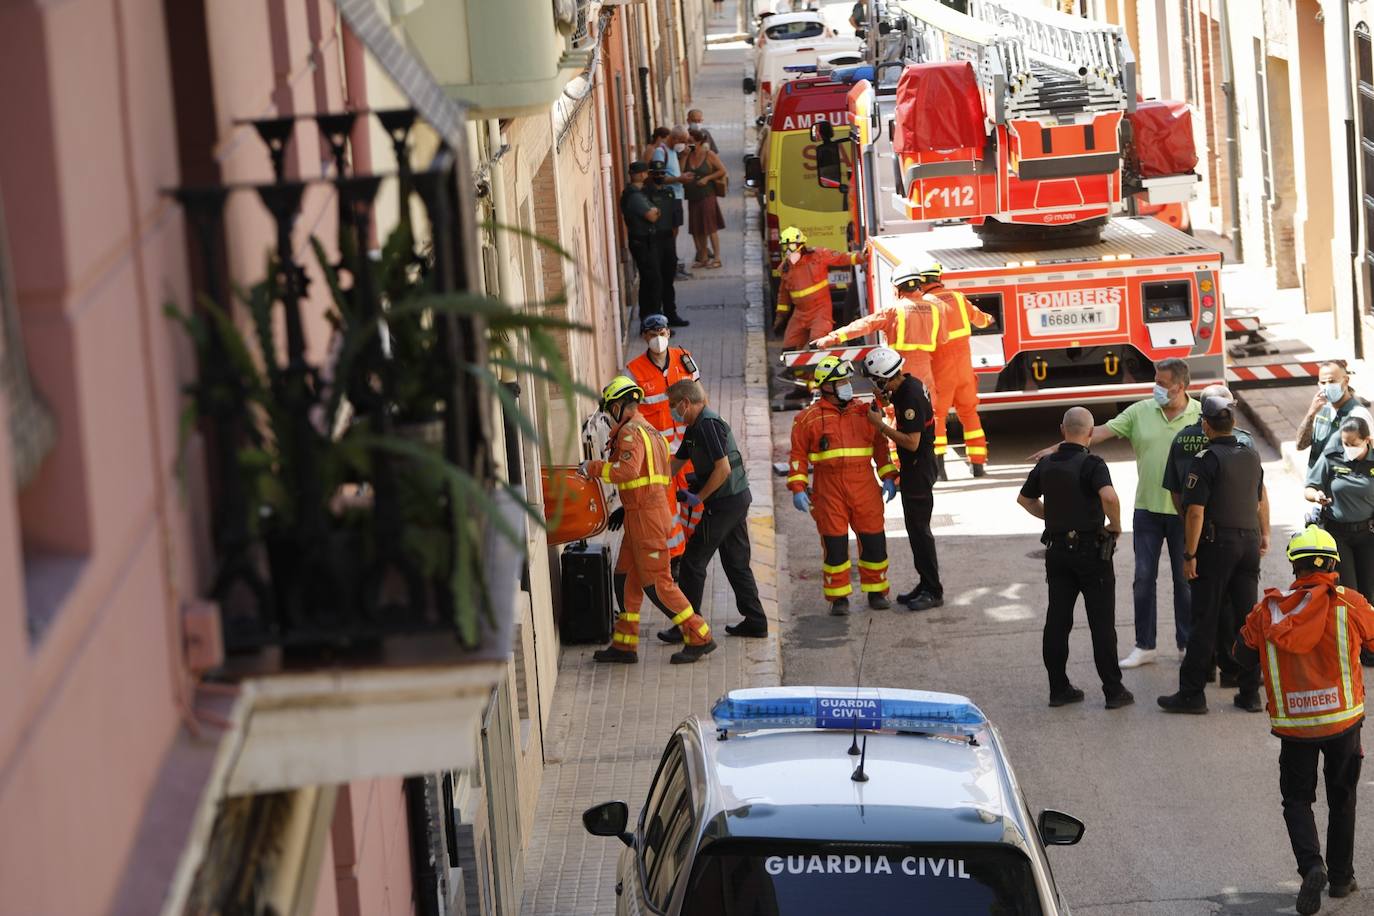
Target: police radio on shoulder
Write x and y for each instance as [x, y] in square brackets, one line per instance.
[847, 708]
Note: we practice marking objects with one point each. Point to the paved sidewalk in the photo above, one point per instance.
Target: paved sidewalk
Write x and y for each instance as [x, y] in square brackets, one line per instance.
[609, 722]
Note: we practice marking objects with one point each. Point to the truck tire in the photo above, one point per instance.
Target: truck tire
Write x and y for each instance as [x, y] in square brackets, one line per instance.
[997, 235]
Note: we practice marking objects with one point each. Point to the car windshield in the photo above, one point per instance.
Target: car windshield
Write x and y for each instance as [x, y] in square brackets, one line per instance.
[762, 878]
[789, 30]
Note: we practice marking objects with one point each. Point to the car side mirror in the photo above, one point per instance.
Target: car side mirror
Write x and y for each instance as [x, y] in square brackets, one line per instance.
[749, 85]
[753, 171]
[1059, 829]
[822, 132]
[609, 819]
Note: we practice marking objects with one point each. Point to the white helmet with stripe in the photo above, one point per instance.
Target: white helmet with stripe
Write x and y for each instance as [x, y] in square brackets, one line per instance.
[882, 363]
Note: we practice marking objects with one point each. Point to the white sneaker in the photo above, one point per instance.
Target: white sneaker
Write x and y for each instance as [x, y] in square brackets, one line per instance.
[1139, 657]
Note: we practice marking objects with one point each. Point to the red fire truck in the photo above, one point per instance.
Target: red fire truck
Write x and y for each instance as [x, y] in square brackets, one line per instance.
[1003, 144]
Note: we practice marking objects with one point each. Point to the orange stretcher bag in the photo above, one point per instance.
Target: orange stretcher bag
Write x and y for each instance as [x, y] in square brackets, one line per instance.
[574, 505]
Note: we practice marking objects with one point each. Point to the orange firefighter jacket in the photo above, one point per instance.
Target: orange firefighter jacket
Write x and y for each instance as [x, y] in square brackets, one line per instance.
[638, 466]
[1309, 640]
[839, 446]
[656, 382]
[908, 325]
[800, 283]
[958, 318]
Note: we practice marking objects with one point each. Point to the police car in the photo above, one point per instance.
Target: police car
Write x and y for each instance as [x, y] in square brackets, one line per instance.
[835, 800]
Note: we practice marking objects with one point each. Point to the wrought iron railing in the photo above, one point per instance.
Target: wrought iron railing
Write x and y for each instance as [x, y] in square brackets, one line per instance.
[353, 499]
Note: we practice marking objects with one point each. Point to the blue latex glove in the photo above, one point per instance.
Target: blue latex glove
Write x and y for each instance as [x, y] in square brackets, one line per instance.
[688, 497]
[890, 489]
[583, 468]
[801, 501]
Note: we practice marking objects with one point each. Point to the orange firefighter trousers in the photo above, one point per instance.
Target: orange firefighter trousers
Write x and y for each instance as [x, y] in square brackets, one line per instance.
[956, 386]
[646, 563]
[839, 503]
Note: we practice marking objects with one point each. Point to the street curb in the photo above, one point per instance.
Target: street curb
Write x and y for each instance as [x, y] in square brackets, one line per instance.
[758, 436]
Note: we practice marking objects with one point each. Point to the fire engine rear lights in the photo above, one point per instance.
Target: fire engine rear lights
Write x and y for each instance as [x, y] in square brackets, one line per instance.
[1205, 286]
[846, 708]
[1208, 302]
[1204, 333]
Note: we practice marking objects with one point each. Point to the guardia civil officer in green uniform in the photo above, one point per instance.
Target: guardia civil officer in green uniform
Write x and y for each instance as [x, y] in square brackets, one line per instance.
[1189, 442]
[1071, 489]
[722, 484]
[1225, 532]
[1342, 483]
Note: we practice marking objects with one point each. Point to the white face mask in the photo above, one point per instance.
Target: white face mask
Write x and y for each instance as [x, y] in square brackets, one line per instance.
[658, 344]
[1161, 395]
[793, 257]
[1334, 391]
[679, 147]
[1353, 452]
[844, 391]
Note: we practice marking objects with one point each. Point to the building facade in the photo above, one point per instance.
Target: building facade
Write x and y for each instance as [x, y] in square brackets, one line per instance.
[109, 713]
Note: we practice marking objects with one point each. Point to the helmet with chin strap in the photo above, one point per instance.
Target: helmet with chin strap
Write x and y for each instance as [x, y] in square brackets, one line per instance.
[883, 364]
[833, 369]
[620, 388]
[792, 236]
[1315, 544]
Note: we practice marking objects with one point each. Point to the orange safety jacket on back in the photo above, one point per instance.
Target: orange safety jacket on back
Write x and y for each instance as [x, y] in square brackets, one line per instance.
[638, 466]
[839, 445]
[806, 284]
[958, 318]
[1309, 641]
[907, 326]
[656, 382]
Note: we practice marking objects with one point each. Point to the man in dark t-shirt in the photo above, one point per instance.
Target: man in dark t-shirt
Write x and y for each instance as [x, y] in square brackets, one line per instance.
[723, 486]
[914, 436]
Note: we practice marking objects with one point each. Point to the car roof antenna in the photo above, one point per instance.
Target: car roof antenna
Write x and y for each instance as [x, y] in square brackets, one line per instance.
[858, 681]
[859, 775]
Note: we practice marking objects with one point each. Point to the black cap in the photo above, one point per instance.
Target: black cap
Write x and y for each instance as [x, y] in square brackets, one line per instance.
[636, 167]
[653, 323]
[658, 165]
[1216, 408]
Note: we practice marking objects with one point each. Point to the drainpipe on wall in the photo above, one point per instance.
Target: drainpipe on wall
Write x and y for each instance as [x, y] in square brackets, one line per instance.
[1228, 86]
[627, 85]
[1353, 197]
[609, 216]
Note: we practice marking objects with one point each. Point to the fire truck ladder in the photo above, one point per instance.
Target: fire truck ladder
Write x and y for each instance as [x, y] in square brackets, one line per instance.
[1030, 62]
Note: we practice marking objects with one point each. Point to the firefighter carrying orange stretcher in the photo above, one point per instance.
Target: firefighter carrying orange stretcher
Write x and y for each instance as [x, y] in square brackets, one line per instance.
[834, 440]
[639, 466]
[930, 326]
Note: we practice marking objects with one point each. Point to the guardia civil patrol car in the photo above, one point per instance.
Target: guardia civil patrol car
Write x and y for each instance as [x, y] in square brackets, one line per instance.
[825, 800]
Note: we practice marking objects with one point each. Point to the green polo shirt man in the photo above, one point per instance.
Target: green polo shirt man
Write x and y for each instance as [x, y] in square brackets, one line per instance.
[1150, 426]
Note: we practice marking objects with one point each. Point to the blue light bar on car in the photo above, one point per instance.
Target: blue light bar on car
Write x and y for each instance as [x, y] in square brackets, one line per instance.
[800, 68]
[868, 708]
[852, 73]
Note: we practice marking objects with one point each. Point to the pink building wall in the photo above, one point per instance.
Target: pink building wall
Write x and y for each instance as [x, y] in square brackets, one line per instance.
[88, 709]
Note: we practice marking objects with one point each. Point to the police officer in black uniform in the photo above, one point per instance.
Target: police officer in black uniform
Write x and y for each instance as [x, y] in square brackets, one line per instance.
[914, 436]
[1071, 489]
[665, 245]
[1189, 442]
[648, 230]
[1225, 532]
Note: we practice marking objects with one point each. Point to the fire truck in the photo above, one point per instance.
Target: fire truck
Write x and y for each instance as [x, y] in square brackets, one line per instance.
[1007, 144]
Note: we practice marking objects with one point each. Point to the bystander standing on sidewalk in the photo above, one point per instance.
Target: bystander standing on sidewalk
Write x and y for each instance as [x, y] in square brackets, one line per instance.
[1333, 402]
[697, 121]
[669, 145]
[704, 219]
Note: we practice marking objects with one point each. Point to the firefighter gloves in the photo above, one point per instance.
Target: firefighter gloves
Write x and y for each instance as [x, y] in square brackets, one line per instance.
[889, 489]
[801, 501]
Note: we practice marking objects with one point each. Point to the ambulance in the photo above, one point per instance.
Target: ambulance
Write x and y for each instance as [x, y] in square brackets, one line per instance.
[784, 174]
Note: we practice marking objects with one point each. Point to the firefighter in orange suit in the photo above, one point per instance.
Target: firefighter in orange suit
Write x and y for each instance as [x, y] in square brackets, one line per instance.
[834, 440]
[655, 370]
[911, 326]
[1308, 641]
[804, 288]
[639, 467]
[955, 383]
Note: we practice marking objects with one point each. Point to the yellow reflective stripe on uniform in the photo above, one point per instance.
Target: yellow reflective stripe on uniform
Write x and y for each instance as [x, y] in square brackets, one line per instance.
[630, 617]
[606, 472]
[974, 433]
[839, 568]
[782, 307]
[886, 468]
[901, 342]
[840, 336]
[831, 453]
[1343, 647]
[868, 564]
[1314, 721]
[839, 591]
[652, 478]
[964, 329]
[1275, 682]
[942, 440]
[814, 288]
[797, 478]
[625, 638]
[680, 616]
[874, 586]
[704, 629]
[676, 538]
[976, 449]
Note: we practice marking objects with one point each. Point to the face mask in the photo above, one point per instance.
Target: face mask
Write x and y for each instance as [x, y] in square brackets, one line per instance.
[1334, 391]
[677, 415]
[679, 147]
[1161, 395]
[1353, 452]
[844, 391]
[793, 257]
[658, 344]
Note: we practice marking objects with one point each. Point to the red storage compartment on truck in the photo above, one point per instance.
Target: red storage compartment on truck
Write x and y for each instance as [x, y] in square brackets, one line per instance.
[1163, 138]
[938, 108]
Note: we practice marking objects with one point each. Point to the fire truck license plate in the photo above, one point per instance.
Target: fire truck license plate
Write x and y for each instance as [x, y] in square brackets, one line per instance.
[839, 278]
[1049, 322]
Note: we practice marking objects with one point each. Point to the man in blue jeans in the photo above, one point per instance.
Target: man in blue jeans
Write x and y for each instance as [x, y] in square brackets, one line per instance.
[1150, 426]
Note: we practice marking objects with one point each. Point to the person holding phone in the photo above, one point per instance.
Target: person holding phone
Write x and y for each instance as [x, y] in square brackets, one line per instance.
[1334, 401]
[1342, 483]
